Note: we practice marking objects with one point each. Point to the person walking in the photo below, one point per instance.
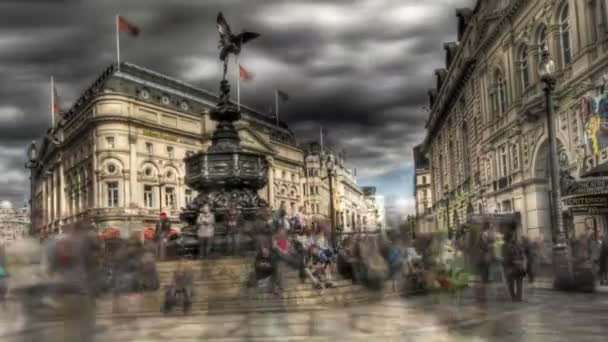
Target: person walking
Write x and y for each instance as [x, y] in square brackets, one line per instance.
[161, 235]
[205, 229]
[485, 258]
[514, 265]
[531, 251]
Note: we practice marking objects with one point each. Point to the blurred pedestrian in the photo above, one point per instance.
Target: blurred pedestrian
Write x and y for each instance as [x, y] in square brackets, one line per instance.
[266, 270]
[514, 264]
[232, 231]
[485, 258]
[206, 229]
[161, 235]
[604, 262]
[262, 229]
[182, 287]
[531, 251]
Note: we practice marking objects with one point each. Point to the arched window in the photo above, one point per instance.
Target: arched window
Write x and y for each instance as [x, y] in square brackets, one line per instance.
[523, 67]
[564, 30]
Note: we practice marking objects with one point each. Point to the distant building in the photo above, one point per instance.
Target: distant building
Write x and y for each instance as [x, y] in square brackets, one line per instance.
[349, 203]
[425, 220]
[14, 224]
[376, 214]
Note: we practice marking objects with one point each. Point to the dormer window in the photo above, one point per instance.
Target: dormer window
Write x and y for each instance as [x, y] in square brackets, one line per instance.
[144, 94]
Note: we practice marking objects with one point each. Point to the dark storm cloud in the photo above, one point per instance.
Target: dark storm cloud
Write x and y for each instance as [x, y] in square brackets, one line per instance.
[360, 68]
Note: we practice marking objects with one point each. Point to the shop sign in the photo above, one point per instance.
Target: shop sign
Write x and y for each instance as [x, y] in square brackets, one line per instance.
[159, 135]
[588, 201]
[583, 186]
[599, 158]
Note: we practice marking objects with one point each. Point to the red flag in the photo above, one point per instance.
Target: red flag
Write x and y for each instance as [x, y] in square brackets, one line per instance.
[125, 26]
[56, 106]
[244, 74]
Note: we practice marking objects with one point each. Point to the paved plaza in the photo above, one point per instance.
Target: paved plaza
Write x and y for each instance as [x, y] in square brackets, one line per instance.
[544, 316]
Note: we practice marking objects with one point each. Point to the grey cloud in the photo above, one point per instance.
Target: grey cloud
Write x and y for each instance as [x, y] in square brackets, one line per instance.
[367, 93]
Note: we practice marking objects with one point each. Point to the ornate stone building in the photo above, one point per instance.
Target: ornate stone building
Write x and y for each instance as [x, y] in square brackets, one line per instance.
[116, 157]
[423, 191]
[486, 133]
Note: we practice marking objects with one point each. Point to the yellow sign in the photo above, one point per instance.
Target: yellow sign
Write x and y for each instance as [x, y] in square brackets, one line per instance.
[159, 135]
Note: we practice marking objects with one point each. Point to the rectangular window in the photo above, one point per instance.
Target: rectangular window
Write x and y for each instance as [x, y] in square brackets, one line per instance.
[148, 196]
[503, 161]
[112, 193]
[170, 197]
[423, 179]
[149, 148]
[312, 190]
[110, 142]
[188, 198]
[170, 152]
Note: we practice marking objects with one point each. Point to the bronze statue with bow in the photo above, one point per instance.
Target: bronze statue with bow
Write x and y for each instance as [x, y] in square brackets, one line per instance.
[231, 43]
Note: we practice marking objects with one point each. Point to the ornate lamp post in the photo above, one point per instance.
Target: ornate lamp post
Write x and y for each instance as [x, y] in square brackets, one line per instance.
[561, 253]
[32, 164]
[446, 194]
[330, 167]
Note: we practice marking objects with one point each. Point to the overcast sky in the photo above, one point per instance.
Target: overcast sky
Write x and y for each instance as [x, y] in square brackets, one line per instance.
[360, 68]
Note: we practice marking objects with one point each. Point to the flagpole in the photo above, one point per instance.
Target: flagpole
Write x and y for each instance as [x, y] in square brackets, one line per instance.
[238, 84]
[52, 102]
[276, 105]
[117, 42]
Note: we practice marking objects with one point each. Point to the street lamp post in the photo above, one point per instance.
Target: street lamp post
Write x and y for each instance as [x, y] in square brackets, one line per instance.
[561, 252]
[329, 164]
[32, 164]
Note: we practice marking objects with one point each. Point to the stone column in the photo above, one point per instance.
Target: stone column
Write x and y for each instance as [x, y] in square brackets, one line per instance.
[127, 194]
[133, 168]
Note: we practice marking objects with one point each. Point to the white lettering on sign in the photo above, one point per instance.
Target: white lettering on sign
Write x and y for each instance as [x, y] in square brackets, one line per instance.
[597, 159]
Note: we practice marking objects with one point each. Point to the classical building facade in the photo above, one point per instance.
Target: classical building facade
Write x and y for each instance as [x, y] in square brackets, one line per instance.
[116, 157]
[423, 191]
[486, 132]
[14, 224]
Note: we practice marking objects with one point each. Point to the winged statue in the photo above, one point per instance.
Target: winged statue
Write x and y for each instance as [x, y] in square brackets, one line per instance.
[231, 43]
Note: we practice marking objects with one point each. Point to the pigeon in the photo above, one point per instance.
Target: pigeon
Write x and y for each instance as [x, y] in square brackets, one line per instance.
[229, 42]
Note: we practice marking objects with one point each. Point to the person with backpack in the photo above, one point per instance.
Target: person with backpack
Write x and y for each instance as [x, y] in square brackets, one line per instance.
[514, 265]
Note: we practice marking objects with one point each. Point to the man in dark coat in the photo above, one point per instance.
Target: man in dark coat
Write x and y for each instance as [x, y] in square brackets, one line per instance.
[514, 265]
[161, 235]
[604, 262]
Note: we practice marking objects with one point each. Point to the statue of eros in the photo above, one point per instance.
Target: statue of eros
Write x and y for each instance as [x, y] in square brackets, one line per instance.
[229, 42]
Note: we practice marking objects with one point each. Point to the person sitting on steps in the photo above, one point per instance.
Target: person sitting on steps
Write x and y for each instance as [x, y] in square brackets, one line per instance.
[182, 284]
[266, 270]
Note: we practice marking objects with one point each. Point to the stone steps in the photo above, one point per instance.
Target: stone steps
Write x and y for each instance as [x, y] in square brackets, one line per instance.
[220, 288]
